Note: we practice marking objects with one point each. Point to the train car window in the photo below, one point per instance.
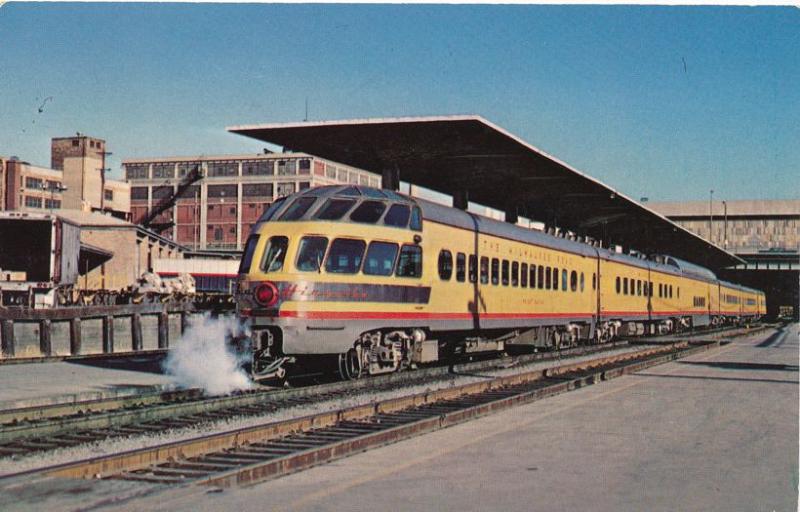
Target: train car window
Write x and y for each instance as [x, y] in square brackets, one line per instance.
[564, 278]
[660, 290]
[573, 281]
[532, 277]
[272, 209]
[298, 208]
[670, 291]
[639, 287]
[274, 254]
[397, 216]
[349, 191]
[618, 285]
[514, 273]
[548, 277]
[461, 263]
[410, 263]
[473, 268]
[624, 286]
[368, 212]
[345, 256]
[373, 192]
[540, 277]
[445, 265]
[582, 280]
[247, 257]
[495, 271]
[311, 253]
[594, 281]
[380, 259]
[334, 209]
[523, 275]
[505, 272]
[416, 219]
[484, 270]
[555, 278]
[679, 292]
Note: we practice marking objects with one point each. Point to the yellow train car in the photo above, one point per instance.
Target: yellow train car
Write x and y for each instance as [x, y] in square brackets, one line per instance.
[371, 281]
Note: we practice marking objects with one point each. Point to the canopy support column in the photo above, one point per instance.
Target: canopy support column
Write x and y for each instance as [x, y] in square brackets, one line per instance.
[461, 200]
[390, 179]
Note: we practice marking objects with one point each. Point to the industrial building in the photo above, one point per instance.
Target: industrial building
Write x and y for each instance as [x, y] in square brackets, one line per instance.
[75, 180]
[765, 234]
[217, 211]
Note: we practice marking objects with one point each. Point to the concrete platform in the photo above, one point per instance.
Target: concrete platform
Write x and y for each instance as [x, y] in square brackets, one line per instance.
[717, 431]
[35, 384]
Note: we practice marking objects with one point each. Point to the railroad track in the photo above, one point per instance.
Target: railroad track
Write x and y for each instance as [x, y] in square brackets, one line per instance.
[45, 428]
[39, 429]
[272, 449]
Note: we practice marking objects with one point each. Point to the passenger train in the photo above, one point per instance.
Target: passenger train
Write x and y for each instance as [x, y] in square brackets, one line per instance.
[371, 281]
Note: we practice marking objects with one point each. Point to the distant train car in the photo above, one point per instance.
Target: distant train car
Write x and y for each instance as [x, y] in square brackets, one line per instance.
[375, 281]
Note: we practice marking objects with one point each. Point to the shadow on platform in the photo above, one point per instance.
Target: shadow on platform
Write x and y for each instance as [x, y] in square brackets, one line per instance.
[146, 364]
[742, 365]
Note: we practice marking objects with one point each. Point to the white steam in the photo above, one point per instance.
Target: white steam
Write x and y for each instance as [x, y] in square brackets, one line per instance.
[203, 358]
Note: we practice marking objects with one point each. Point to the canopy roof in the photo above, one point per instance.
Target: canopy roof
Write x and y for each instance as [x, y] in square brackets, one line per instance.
[456, 154]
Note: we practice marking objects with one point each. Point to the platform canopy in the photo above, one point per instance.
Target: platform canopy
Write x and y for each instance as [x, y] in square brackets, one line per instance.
[469, 157]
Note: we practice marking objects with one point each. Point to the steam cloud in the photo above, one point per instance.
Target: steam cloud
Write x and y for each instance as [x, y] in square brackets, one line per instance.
[203, 358]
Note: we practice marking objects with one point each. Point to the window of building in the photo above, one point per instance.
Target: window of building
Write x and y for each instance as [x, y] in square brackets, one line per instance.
[257, 168]
[286, 167]
[410, 262]
[222, 169]
[330, 171]
[484, 270]
[368, 212]
[139, 193]
[136, 171]
[304, 166]
[311, 253]
[185, 168]
[445, 265]
[163, 170]
[257, 190]
[162, 192]
[495, 271]
[523, 275]
[33, 183]
[33, 202]
[285, 189]
[217, 234]
[52, 203]
[220, 192]
[461, 264]
[298, 208]
[108, 194]
[397, 215]
[75, 143]
[380, 258]
[505, 273]
[345, 256]
[304, 185]
[573, 281]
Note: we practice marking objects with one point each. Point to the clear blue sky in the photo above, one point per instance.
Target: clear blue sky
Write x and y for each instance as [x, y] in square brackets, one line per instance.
[663, 102]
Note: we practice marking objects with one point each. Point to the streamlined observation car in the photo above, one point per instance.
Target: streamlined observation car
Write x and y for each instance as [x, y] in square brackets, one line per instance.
[373, 281]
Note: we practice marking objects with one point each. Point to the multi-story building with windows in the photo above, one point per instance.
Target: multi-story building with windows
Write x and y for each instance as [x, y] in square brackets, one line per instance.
[76, 180]
[218, 211]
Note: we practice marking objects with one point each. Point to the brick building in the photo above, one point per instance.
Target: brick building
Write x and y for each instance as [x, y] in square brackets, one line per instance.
[217, 212]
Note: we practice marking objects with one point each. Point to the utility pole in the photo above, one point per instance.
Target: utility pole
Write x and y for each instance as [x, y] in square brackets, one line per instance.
[711, 216]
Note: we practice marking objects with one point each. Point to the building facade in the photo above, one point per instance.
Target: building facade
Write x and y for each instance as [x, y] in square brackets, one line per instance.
[765, 234]
[217, 212]
[75, 181]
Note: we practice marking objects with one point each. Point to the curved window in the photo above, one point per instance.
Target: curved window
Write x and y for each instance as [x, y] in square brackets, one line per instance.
[397, 216]
[484, 270]
[624, 286]
[573, 281]
[670, 291]
[345, 256]
[505, 272]
[564, 280]
[274, 254]
[373, 192]
[445, 265]
[368, 212]
[639, 287]
[272, 209]
[247, 259]
[495, 271]
[461, 267]
[349, 191]
[523, 275]
[416, 219]
[514, 274]
[582, 281]
[548, 278]
[380, 259]
[334, 209]
[410, 262]
[618, 287]
[555, 278]
[311, 253]
[540, 278]
[298, 208]
[532, 277]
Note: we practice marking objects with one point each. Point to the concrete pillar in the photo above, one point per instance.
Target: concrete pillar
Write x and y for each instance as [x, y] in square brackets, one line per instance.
[390, 179]
[163, 330]
[136, 332]
[461, 200]
[75, 336]
[7, 338]
[511, 214]
[108, 334]
[45, 346]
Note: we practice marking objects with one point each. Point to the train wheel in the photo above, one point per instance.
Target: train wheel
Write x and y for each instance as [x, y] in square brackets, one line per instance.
[350, 367]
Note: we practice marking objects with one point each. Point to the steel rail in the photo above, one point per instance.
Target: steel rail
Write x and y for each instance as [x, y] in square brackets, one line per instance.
[255, 453]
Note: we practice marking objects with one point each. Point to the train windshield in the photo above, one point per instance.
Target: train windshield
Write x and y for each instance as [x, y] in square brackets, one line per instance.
[274, 254]
[247, 257]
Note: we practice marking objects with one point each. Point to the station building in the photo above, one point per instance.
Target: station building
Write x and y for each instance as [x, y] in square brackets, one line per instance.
[217, 212]
[765, 234]
[75, 180]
